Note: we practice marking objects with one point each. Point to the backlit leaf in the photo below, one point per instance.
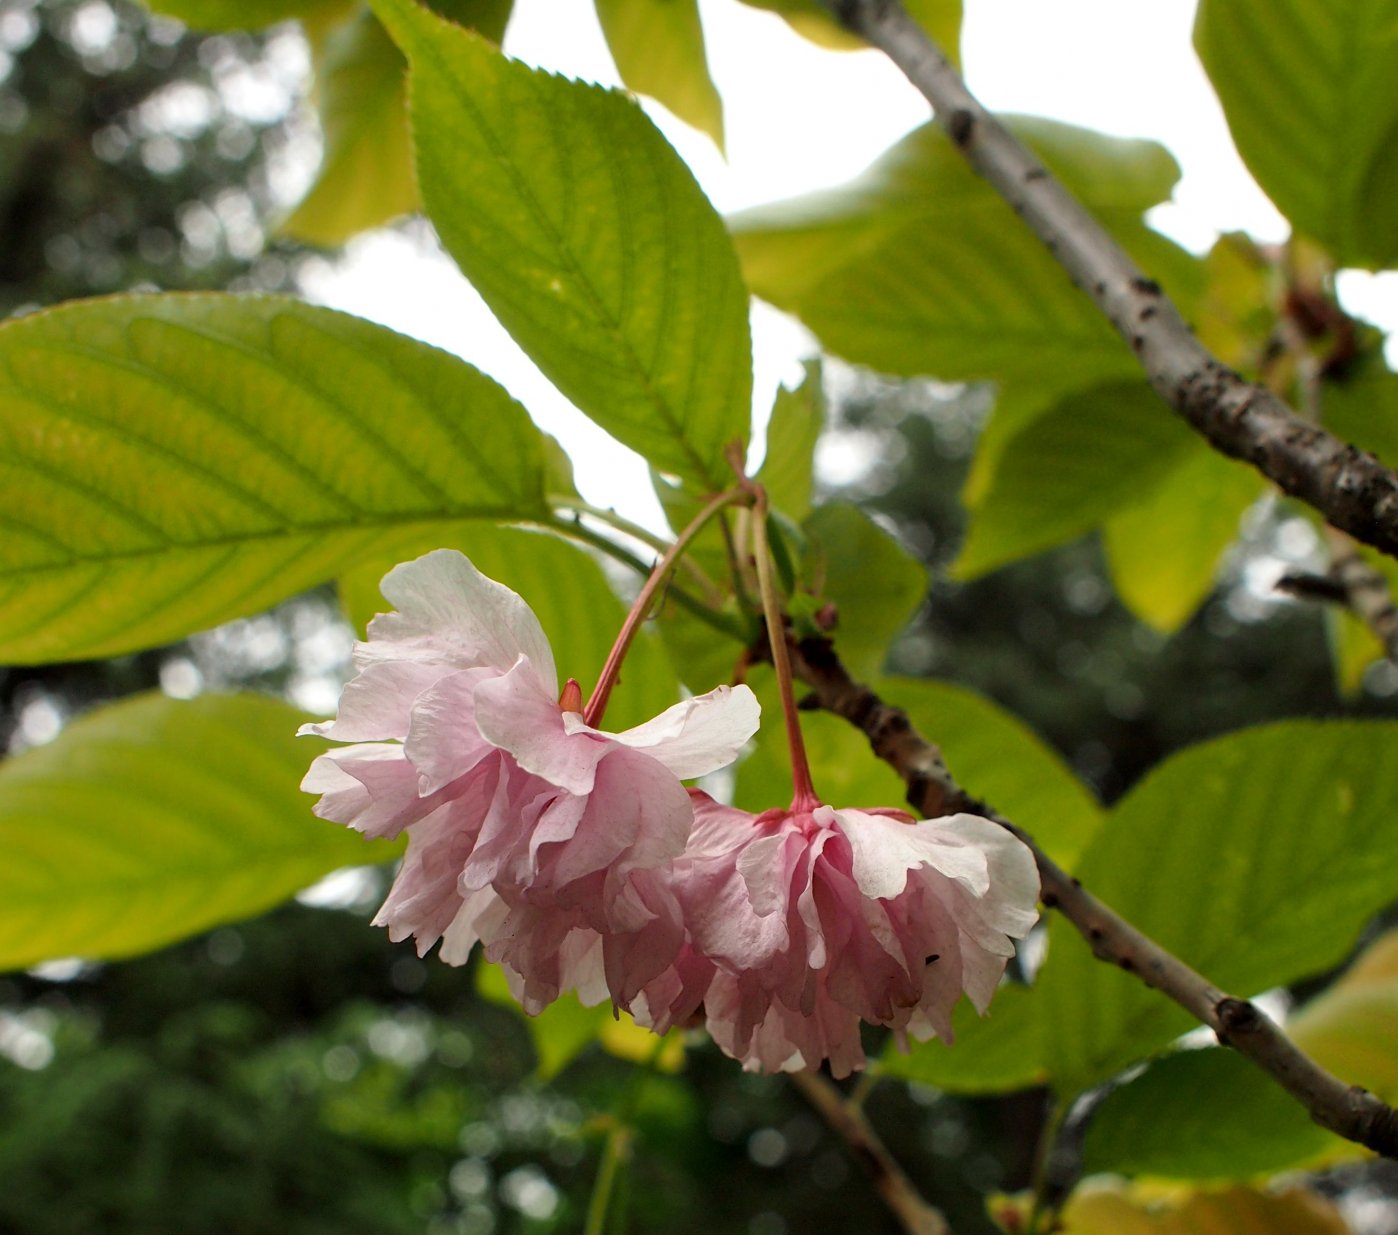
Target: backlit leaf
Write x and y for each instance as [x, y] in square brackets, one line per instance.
[152, 819]
[1310, 91]
[1069, 469]
[589, 239]
[1256, 858]
[658, 46]
[171, 462]
[1164, 550]
[918, 267]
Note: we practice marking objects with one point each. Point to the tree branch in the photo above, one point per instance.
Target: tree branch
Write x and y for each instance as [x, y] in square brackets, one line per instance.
[1350, 1111]
[1351, 488]
[849, 1122]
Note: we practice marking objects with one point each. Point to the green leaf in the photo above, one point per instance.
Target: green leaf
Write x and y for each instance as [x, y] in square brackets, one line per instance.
[918, 267]
[149, 820]
[1255, 858]
[568, 592]
[998, 758]
[1069, 469]
[1164, 550]
[812, 20]
[1207, 1115]
[1351, 1029]
[1310, 92]
[875, 583]
[996, 1053]
[589, 239]
[658, 46]
[366, 174]
[248, 14]
[844, 769]
[175, 461]
[1364, 410]
[787, 471]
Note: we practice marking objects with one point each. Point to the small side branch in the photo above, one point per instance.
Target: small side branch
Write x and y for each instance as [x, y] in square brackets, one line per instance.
[849, 1122]
[1354, 583]
[1351, 488]
[1353, 1113]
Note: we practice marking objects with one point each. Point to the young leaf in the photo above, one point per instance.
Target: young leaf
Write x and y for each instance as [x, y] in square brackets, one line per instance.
[589, 239]
[1310, 92]
[1069, 469]
[798, 416]
[918, 267]
[172, 462]
[874, 582]
[658, 46]
[366, 173]
[1256, 858]
[151, 819]
[1164, 550]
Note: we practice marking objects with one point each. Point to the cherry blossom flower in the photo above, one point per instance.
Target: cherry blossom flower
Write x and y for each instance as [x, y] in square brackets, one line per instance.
[816, 919]
[529, 830]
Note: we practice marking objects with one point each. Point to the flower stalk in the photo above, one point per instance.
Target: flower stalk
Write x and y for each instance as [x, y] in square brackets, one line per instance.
[597, 704]
[804, 795]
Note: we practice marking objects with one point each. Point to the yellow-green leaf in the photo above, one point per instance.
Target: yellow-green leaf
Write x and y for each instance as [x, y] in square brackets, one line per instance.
[658, 46]
[171, 462]
[589, 239]
[1164, 550]
[152, 819]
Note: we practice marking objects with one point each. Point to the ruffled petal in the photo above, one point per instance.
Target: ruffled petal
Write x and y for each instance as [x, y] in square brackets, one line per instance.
[450, 613]
[517, 713]
[695, 737]
[443, 741]
[377, 704]
[886, 850]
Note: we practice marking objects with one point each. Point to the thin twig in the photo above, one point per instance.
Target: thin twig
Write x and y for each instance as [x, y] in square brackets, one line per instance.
[1350, 1111]
[1366, 591]
[1351, 488]
[850, 1123]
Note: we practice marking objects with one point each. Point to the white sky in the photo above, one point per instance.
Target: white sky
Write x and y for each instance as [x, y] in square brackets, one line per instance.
[800, 118]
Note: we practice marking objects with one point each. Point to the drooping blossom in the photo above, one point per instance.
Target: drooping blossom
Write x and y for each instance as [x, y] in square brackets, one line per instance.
[814, 920]
[529, 830]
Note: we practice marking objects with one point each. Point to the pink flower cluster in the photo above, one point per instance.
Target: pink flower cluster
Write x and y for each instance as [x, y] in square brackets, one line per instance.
[578, 860]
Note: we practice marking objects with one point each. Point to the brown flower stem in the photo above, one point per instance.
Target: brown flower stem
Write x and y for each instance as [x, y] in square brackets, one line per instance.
[1350, 1111]
[803, 791]
[1351, 488]
[597, 705]
[849, 1122]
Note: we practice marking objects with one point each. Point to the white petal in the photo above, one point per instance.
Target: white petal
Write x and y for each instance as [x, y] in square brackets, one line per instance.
[377, 703]
[697, 736]
[886, 850]
[447, 611]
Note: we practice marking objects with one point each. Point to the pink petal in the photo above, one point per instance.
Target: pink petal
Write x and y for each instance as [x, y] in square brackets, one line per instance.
[695, 737]
[443, 741]
[518, 713]
[886, 850]
[450, 613]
